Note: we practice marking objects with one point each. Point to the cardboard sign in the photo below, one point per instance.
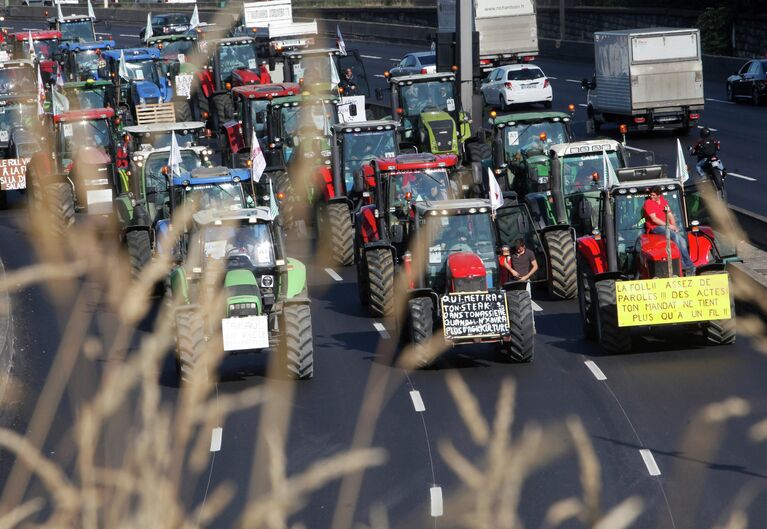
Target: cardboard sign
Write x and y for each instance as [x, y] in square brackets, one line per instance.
[13, 174]
[474, 315]
[184, 85]
[673, 300]
[345, 109]
[243, 334]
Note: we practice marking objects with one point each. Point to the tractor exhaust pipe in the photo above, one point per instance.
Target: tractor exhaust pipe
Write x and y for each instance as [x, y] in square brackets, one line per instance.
[556, 191]
[608, 226]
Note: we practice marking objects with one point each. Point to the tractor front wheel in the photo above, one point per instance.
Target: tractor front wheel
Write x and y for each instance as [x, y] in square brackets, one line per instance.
[612, 338]
[139, 251]
[585, 301]
[224, 108]
[183, 110]
[59, 206]
[562, 268]
[721, 332]
[336, 228]
[380, 279]
[297, 343]
[190, 347]
[420, 327]
[521, 347]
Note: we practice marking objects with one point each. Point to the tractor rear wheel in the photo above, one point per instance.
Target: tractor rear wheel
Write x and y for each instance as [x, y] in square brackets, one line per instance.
[478, 151]
[297, 343]
[363, 288]
[224, 108]
[380, 268]
[521, 347]
[139, 251]
[183, 110]
[585, 301]
[562, 268]
[59, 206]
[203, 104]
[191, 367]
[612, 338]
[339, 231]
[721, 332]
[420, 325]
[282, 184]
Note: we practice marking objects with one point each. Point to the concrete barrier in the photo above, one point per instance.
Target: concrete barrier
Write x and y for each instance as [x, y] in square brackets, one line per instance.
[6, 336]
[754, 225]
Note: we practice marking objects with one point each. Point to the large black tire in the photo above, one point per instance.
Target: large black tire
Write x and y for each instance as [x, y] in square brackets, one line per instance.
[59, 207]
[282, 184]
[612, 338]
[585, 301]
[756, 99]
[478, 151]
[521, 347]
[224, 108]
[338, 230]
[562, 280]
[190, 347]
[363, 287]
[297, 343]
[183, 110]
[730, 97]
[420, 326]
[721, 332]
[203, 104]
[380, 268]
[139, 250]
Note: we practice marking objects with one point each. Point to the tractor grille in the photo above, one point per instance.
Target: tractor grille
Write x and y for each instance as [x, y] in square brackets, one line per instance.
[152, 100]
[443, 134]
[470, 284]
[660, 268]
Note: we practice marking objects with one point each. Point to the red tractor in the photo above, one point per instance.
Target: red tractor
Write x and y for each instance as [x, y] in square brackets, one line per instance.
[622, 250]
[46, 44]
[383, 227]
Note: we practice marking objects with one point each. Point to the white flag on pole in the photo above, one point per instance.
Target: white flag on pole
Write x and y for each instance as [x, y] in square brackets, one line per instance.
[681, 167]
[59, 77]
[59, 101]
[91, 13]
[334, 77]
[340, 40]
[59, 14]
[31, 45]
[496, 196]
[608, 172]
[174, 160]
[40, 94]
[274, 210]
[148, 33]
[195, 21]
[122, 70]
[257, 160]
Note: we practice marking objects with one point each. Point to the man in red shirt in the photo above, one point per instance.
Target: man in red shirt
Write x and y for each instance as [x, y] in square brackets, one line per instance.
[656, 212]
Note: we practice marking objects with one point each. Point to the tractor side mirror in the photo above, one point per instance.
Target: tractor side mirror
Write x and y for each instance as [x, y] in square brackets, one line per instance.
[397, 233]
[379, 94]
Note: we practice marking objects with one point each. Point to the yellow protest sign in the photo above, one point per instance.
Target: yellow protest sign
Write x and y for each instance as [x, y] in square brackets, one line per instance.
[673, 300]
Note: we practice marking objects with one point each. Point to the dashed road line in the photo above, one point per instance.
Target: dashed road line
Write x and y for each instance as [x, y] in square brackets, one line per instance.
[552, 78]
[381, 329]
[712, 129]
[649, 462]
[379, 75]
[744, 177]
[371, 57]
[435, 493]
[598, 374]
[215, 439]
[332, 273]
[128, 35]
[720, 101]
[418, 404]
[396, 60]
[584, 105]
[573, 81]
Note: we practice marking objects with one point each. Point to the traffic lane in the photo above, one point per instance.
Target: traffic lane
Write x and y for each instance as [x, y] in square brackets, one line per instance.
[324, 411]
[664, 386]
[554, 386]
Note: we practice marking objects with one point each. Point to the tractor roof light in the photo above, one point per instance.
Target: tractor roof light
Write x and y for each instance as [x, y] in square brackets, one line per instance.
[623, 128]
[483, 210]
[571, 107]
[249, 163]
[433, 212]
[542, 136]
[596, 234]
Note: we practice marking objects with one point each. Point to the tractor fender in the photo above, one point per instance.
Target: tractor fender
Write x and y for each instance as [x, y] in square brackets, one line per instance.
[234, 138]
[295, 290]
[616, 276]
[426, 293]
[324, 182]
[559, 227]
[343, 200]
[593, 253]
[711, 267]
[368, 225]
[162, 237]
[700, 245]
[206, 83]
[374, 245]
[124, 208]
[179, 285]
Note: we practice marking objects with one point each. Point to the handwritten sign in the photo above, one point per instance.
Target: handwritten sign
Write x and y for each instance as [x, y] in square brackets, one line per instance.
[673, 300]
[474, 315]
[243, 334]
[13, 174]
[184, 85]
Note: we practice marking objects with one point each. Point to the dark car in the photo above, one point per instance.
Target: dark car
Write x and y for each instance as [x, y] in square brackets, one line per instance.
[750, 82]
[415, 63]
[168, 24]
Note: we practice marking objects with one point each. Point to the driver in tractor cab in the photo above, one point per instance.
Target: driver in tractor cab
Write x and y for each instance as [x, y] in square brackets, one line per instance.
[244, 243]
[657, 213]
[347, 84]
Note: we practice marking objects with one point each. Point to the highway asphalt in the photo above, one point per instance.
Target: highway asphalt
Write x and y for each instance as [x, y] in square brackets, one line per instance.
[643, 412]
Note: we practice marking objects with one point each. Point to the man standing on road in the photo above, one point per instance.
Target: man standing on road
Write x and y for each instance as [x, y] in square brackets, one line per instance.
[656, 213]
[521, 264]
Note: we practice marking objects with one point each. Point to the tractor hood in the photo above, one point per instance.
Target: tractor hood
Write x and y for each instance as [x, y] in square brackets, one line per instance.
[48, 67]
[243, 296]
[147, 90]
[441, 131]
[244, 76]
[466, 272]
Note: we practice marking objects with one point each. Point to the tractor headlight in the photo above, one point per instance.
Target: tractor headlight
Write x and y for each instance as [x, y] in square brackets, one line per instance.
[408, 133]
[267, 281]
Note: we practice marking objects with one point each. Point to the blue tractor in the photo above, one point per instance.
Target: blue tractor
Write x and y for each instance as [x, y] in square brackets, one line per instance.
[81, 61]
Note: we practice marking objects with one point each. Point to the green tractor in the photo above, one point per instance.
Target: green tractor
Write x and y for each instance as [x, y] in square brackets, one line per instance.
[432, 118]
[90, 94]
[235, 289]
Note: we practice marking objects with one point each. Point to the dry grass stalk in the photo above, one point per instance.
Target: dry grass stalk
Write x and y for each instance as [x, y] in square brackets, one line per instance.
[591, 471]
[622, 516]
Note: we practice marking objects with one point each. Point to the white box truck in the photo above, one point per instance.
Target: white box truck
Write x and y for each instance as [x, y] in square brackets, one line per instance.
[508, 30]
[646, 79]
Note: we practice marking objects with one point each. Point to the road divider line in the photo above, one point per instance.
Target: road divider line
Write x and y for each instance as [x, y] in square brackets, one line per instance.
[395, 60]
[215, 439]
[649, 462]
[435, 493]
[712, 129]
[418, 404]
[381, 330]
[573, 81]
[126, 35]
[332, 273]
[371, 57]
[584, 105]
[720, 101]
[379, 75]
[552, 78]
[598, 374]
[744, 177]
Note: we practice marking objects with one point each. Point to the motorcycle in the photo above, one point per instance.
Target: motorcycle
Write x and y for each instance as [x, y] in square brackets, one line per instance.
[714, 168]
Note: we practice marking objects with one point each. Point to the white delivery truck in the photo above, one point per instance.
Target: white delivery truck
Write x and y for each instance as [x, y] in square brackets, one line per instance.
[646, 79]
[507, 31]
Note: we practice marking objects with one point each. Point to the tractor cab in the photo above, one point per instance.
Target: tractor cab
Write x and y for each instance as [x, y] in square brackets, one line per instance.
[160, 135]
[46, 48]
[18, 78]
[74, 28]
[143, 93]
[315, 69]
[82, 61]
[233, 62]
[431, 116]
[303, 122]
[520, 148]
[90, 94]
[16, 112]
[218, 188]
[358, 144]
[176, 52]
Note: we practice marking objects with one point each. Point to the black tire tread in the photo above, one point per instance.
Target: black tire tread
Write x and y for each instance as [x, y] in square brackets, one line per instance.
[298, 343]
[183, 111]
[562, 281]
[522, 347]
[190, 346]
[59, 206]
[340, 231]
[612, 338]
[380, 268]
[721, 332]
[224, 108]
[139, 250]
[586, 301]
[421, 326]
[478, 151]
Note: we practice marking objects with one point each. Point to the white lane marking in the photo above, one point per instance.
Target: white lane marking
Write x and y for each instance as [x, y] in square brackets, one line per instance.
[332, 273]
[371, 57]
[632, 148]
[649, 462]
[379, 75]
[712, 129]
[436, 501]
[395, 60]
[97, 33]
[552, 78]
[584, 105]
[536, 307]
[744, 177]
[381, 330]
[720, 101]
[573, 81]
[128, 35]
[418, 404]
[598, 374]
[215, 439]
